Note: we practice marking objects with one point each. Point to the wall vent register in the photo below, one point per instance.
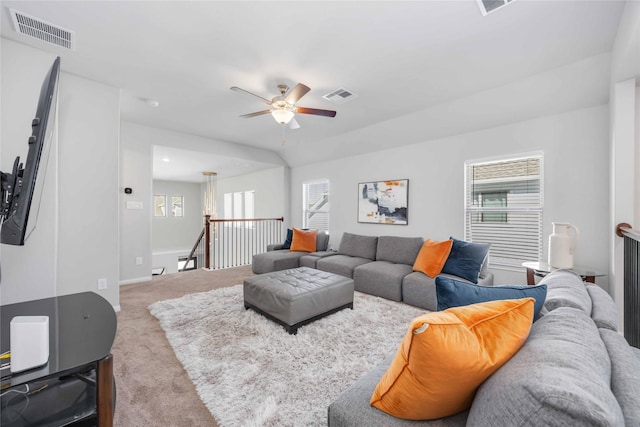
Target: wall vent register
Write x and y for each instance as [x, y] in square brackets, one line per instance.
[340, 96]
[45, 31]
[488, 6]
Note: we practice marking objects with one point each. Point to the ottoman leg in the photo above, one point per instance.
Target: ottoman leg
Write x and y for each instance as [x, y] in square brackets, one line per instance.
[293, 330]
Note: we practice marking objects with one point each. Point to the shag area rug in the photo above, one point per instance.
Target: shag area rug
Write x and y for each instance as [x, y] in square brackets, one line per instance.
[250, 372]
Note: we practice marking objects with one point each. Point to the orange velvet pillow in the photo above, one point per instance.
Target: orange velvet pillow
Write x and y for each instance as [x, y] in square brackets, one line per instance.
[303, 240]
[432, 257]
[446, 355]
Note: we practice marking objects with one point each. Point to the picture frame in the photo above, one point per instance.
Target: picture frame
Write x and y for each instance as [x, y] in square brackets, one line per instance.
[384, 202]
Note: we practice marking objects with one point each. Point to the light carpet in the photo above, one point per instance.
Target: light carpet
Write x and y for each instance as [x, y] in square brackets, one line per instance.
[250, 372]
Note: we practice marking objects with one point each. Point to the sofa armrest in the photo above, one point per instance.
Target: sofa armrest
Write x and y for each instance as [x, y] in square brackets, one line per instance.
[274, 247]
[486, 280]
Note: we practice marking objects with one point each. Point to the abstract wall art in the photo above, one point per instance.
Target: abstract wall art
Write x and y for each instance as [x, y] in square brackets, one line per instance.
[384, 202]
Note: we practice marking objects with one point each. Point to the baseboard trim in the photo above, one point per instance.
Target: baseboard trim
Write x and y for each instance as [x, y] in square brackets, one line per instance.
[136, 280]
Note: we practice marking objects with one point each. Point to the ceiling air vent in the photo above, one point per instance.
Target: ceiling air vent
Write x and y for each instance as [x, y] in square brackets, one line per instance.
[488, 6]
[340, 96]
[41, 30]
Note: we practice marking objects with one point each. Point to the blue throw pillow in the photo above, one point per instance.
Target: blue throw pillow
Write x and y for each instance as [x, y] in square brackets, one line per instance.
[454, 293]
[465, 259]
[287, 241]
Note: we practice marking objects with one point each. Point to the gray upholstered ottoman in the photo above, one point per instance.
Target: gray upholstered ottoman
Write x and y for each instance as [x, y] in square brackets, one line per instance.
[297, 296]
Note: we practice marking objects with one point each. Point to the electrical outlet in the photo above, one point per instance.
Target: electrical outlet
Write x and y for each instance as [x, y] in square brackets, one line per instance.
[102, 283]
[139, 260]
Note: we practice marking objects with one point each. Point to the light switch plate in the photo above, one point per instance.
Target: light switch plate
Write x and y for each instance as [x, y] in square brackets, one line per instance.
[135, 205]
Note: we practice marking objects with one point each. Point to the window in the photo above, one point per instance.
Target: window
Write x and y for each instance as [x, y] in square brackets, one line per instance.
[177, 202]
[493, 199]
[315, 205]
[239, 205]
[503, 207]
[160, 205]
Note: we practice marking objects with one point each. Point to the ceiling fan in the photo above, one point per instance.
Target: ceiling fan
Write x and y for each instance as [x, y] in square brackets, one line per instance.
[283, 106]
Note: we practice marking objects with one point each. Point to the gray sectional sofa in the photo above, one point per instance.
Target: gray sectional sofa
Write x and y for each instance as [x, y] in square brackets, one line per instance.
[276, 258]
[381, 266]
[575, 369]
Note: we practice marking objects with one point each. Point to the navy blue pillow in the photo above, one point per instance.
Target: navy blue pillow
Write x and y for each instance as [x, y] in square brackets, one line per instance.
[287, 241]
[454, 293]
[465, 259]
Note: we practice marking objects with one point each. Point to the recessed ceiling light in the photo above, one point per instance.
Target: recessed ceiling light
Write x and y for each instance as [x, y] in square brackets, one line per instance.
[165, 159]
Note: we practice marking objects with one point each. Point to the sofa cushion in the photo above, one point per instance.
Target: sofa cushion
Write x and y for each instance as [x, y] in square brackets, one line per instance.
[399, 250]
[352, 408]
[446, 355]
[432, 257]
[310, 260]
[603, 311]
[340, 264]
[560, 377]
[288, 239]
[358, 246]
[454, 293]
[303, 240]
[381, 278]
[566, 289]
[322, 241]
[625, 381]
[420, 290]
[275, 260]
[466, 259]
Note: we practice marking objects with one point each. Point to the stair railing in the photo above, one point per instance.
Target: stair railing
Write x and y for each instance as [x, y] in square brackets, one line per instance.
[225, 243]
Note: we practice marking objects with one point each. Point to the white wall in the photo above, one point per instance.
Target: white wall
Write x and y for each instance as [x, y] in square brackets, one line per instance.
[76, 241]
[624, 141]
[270, 186]
[177, 233]
[136, 165]
[137, 143]
[28, 272]
[88, 187]
[576, 181]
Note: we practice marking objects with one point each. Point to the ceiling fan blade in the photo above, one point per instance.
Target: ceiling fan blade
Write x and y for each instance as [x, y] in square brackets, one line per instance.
[257, 113]
[298, 92]
[293, 124]
[240, 90]
[316, 112]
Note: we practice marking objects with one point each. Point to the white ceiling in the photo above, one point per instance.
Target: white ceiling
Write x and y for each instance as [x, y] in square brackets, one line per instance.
[422, 69]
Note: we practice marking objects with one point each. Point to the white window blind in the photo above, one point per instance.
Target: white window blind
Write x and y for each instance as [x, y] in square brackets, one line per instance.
[503, 207]
[239, 205]
[315, 205]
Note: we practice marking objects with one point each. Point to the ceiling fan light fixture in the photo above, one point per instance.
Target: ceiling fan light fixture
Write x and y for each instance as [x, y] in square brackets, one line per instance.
[282, 116]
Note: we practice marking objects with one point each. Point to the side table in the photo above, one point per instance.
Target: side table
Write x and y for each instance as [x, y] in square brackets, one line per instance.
[541, 269]
[82, 328]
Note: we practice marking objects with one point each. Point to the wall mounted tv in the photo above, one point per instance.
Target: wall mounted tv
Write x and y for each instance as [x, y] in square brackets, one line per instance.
[22, 188]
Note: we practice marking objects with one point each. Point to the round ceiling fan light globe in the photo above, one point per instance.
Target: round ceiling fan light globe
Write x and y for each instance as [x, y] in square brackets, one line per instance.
[282, 116]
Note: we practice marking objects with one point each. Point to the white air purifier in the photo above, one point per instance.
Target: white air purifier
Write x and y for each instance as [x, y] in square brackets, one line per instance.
[29, 338]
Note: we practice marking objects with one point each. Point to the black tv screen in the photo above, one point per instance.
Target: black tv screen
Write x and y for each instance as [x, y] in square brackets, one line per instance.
[22, 187]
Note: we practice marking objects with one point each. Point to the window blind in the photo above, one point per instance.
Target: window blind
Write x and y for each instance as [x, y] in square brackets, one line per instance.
[504, 206]
[315, 203]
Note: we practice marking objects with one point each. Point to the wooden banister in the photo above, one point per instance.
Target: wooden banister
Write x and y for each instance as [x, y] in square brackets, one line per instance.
[207, 242]
[247, 219]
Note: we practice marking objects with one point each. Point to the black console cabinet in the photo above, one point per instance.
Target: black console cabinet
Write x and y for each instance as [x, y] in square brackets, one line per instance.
[77, 382]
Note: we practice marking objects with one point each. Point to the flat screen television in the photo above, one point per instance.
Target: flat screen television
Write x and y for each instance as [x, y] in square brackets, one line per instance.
[22, 187]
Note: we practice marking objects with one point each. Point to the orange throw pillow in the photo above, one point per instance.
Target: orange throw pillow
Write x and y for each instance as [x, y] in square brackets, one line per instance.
[446, 355]
[303, 240]
[432, 257]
